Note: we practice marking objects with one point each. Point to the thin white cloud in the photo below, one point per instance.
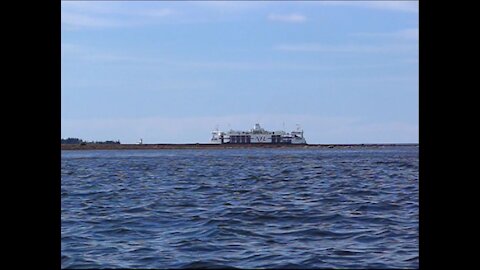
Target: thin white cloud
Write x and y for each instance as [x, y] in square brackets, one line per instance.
[400, 6]
[162, 12]
[238, 6]
[76, 20]
[406, 34]
[81, 15]
[98, 14]
[83, 53]
[266, 65]
[70, 48]
[405, 6]
[344, 48]
[89, 7]
[230, 6]
[289, 18]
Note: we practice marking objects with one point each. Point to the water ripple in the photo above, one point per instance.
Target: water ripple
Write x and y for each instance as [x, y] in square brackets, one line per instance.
[240, 208]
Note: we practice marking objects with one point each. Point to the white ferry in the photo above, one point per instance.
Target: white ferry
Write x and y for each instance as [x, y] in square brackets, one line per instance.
[258, 135]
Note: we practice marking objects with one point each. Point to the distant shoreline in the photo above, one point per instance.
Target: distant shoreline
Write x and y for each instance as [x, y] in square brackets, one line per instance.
[222, 146]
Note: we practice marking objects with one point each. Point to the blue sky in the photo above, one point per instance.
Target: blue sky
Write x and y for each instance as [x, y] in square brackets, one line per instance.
[170, 72]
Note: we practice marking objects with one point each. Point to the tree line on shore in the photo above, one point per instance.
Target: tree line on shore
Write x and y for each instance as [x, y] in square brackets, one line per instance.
[80, 141]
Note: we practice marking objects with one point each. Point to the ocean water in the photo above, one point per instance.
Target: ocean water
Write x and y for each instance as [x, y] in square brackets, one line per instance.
[242, 208]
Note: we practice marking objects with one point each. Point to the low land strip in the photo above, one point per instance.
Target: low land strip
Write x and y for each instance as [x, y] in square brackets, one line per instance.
[220, 146]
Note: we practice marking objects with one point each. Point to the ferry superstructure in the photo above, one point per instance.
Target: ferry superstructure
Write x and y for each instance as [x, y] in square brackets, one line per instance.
[258, 135]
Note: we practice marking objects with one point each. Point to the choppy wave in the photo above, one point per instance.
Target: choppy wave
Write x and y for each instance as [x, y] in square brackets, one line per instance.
[242, 208]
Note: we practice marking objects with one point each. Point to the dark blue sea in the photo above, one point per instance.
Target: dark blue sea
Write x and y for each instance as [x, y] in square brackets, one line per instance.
[242, 208]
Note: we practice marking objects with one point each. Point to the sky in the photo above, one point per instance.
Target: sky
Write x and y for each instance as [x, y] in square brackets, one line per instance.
[171, 72]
